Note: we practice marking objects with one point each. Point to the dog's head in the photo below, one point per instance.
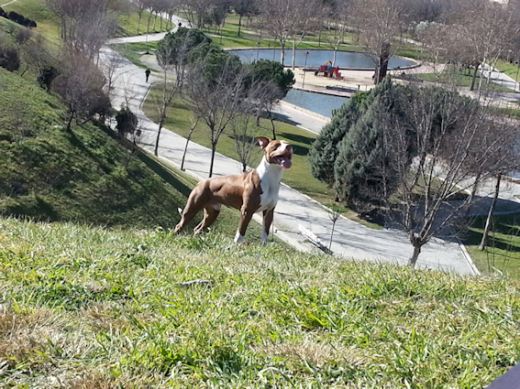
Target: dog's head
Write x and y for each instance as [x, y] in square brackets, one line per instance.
[278, 152]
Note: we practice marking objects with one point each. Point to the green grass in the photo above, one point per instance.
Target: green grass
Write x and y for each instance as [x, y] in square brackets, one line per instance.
[47, 22]
[127, 25]
[134, 51]
[86, 175]
[510, 69]
[462, 80]
[96, 308]
[178, 119]
[503, 250]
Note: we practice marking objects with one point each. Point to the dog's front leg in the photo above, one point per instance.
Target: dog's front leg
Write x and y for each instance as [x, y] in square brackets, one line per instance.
[266, 225]
[245, 218]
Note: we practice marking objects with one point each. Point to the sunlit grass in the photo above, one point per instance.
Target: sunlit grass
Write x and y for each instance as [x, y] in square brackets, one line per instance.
[502, 253]
[99, 308]
[453, 77]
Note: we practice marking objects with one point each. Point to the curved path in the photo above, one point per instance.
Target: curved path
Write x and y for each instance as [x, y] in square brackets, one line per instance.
[351, 239]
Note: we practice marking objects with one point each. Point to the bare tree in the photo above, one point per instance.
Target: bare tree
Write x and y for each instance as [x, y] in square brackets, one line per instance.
[171, 64]
[63, 9]
[280, 19]
[80, 85]
[485, 234]
[217, 14]
[172, 56]
[110, 64]
[196, 11]
[141, 5]
[479, 33]
[336, 23]
[378, 23]
[215, 90]
[244, 132]
[194, 123]
[450, 136]
[304, 22]
[256, 98]
[245, 8]
[85, 25]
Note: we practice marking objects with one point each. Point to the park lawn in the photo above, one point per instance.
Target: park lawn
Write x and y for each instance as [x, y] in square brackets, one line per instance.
[298, 177]
[502, 254]
[127, 24]
[511, 69]
[134, 51]
[49, 24]
[462, 80]
[37, 10]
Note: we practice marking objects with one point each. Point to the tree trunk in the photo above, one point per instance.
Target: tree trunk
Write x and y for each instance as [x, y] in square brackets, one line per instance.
[293, 55]
[139, 22]
[69, 122]
[272, 125]
[485, 235]
[334, 58]
[156, 149]
[187, 142]
[472, 194]
[213, 149]
[415, 255]
[239, 24]
[282, 58]
[472, 87]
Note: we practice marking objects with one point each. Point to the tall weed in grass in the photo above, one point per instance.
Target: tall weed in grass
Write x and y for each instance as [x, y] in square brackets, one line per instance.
[88, 306]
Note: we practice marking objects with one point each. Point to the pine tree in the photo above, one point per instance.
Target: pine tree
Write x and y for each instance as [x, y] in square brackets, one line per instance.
[360, 175]
[325, 148]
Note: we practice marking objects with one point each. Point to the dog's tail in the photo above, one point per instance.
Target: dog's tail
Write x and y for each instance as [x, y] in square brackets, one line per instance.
[180, 211]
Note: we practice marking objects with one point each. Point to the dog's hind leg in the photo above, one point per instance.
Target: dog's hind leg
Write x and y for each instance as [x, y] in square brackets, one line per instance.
[211, 213]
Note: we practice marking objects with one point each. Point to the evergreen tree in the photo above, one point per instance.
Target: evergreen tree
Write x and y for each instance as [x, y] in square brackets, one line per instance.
[361, 168]
[325, 148]
[266, 70]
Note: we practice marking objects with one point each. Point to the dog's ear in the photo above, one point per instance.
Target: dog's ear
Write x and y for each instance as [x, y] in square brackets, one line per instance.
[263, 141]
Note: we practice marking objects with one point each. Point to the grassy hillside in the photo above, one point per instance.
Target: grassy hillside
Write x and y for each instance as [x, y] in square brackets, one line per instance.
[49, 24]
[91, 308]
[85, 175]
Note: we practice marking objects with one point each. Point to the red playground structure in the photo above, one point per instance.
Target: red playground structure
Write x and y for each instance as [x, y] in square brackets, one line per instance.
[329, 71]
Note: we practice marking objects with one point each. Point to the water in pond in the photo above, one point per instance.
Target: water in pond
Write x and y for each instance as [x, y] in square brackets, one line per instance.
[344, 59]
[315, 102]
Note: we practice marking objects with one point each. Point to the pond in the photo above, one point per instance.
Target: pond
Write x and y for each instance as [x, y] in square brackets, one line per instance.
[344, 59]
[315, 102]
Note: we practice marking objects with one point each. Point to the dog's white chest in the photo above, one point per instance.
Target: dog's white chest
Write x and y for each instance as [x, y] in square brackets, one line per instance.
[268, 199]
[270, 184]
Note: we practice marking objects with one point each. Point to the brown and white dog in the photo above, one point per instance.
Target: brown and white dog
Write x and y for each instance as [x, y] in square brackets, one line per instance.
[251, 192]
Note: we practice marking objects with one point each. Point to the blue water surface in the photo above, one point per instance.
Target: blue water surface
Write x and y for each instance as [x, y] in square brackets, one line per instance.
[315, 102]
[344, 59]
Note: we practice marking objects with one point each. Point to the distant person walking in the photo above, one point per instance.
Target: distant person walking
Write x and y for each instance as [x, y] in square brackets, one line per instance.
[147, 72]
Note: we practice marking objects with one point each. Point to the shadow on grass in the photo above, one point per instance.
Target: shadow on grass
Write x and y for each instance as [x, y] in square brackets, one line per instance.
[166, 175]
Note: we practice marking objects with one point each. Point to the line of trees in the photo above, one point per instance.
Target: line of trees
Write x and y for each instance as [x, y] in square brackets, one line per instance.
[220, 90]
